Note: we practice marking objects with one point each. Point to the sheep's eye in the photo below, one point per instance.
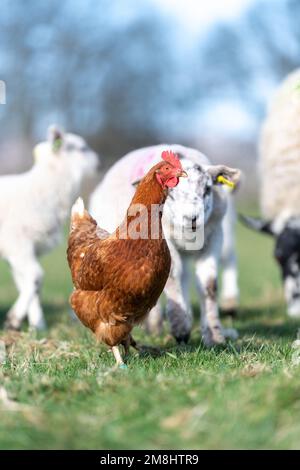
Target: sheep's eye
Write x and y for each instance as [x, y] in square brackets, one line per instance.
[207, 190]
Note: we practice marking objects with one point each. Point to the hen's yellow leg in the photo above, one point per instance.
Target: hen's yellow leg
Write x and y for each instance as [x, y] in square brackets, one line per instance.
[118, 357]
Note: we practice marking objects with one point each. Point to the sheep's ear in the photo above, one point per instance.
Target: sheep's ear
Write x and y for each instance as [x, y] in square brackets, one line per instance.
[257, 224]
[222, 174]
[55, 137]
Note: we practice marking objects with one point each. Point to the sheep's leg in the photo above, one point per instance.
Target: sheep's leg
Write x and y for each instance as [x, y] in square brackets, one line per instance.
[178, 307]
[230, 289]
[206, 274]
[35, 314]
[154, 321]
[27, 274]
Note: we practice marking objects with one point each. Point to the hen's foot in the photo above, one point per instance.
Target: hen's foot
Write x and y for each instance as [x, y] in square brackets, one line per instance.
[118, 357]
[145, 349]
[141, 348]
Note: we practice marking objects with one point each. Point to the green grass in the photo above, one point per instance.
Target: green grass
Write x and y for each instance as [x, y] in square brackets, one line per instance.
[64, 394]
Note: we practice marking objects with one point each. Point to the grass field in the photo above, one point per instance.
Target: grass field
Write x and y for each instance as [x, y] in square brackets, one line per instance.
[57, 389]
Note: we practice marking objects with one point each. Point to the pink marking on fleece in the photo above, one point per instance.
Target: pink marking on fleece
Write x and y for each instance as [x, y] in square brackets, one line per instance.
[142, 167]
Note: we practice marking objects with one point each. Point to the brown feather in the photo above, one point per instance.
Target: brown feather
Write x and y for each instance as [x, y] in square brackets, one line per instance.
[118, 279]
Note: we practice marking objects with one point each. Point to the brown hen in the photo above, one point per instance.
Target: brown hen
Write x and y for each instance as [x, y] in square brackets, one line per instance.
[119, 277]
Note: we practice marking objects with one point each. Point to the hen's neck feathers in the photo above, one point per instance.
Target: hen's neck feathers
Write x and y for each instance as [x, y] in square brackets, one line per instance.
[147, 200]
[149, 191]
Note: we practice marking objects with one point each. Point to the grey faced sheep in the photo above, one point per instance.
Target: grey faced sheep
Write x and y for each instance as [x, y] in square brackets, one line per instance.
[192, 221]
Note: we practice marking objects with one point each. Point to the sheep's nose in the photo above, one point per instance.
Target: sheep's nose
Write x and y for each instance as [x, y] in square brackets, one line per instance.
[194, 222]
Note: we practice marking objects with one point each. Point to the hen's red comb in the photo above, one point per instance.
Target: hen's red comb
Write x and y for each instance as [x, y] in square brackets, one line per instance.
[171, 158]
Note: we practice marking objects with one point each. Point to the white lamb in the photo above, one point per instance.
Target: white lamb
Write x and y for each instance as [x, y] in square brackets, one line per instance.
[193, 226]
[279, 168]
[33, 208]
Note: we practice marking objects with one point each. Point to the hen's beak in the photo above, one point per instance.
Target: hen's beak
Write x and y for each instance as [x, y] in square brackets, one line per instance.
[182, 174]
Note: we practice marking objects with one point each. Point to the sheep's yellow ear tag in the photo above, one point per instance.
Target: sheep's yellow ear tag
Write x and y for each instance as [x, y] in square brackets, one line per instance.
[222, 180]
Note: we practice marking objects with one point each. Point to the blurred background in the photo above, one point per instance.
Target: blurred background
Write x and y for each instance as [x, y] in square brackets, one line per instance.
[130, 73]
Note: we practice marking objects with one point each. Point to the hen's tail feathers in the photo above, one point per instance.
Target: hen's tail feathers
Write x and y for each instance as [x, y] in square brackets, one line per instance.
[78, 208]
[78, 213]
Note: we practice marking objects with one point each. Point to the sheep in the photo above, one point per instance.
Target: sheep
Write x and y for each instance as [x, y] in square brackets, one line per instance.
[195, 209]
[33, 208]
[279, 168]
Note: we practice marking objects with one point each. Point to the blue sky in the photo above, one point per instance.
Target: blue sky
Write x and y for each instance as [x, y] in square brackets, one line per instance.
[195, 17]
[189, 25]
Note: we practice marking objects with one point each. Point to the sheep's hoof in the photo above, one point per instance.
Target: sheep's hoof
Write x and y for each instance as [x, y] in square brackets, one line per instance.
[11, 327]
[182, 339]
[218, 336]
[12, 324]
[213, 338]
[39, 325]
[230, 333]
